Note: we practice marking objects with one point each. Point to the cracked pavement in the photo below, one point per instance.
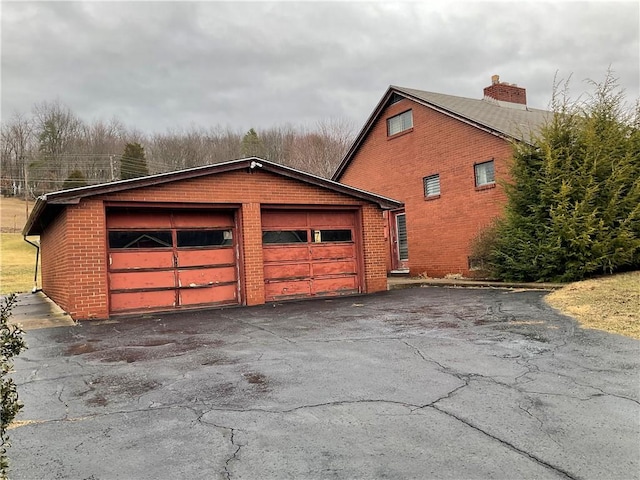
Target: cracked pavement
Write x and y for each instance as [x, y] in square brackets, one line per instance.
[414, 384]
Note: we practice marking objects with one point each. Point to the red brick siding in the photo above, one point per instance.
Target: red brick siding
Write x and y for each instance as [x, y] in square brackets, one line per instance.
[440, 230]
[374, 248]
[252, 248]
[86, 232]
[56, 267]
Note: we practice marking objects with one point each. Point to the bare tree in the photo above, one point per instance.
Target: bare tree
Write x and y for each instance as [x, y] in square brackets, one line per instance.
[320, 151]
[279, 142]
[58, 131]
[17, 144]
[53, 143]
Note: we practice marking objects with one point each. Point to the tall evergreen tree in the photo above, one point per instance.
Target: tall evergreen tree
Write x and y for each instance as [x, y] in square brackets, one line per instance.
[133, 163]
[252, 145]
[574, 204]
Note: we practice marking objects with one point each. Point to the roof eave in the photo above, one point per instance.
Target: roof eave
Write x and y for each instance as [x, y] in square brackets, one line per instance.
[376, 112]
[74, 196]
[362, 135]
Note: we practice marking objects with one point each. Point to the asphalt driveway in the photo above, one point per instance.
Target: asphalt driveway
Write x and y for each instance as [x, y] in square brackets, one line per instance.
[409, 384]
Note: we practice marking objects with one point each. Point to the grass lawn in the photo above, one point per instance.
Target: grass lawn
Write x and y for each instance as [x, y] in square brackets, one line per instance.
[17, 259]
[607, 303]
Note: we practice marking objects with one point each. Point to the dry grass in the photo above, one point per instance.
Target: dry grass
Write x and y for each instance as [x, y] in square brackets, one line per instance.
[13, 214]
[17, 262]
[608, 303]
[17, 257]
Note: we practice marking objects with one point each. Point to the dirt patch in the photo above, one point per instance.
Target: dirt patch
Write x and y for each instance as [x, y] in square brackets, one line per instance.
[257, 380]
[153, 349]
[110, 388]
[609, 303]
[80, 348]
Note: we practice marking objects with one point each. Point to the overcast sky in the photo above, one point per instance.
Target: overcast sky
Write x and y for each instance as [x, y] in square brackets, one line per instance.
[160, 65]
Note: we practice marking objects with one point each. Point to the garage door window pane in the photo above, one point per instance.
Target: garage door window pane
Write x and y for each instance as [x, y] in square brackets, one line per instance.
[140, 239]
[331, 236]
[204, 238]
[284, 236]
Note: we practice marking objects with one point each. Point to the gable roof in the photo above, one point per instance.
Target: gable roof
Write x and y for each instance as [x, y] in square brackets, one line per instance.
[509, 121]
[49, 205]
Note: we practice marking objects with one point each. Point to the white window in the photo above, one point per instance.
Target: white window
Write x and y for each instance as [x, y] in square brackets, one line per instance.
[485, 174]
[400, 123]
[432, 185]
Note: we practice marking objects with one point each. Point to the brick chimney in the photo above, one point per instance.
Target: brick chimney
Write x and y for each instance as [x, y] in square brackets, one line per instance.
[505, 92]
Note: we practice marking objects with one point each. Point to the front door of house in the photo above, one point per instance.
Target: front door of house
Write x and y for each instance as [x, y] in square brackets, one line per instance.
[400, 246]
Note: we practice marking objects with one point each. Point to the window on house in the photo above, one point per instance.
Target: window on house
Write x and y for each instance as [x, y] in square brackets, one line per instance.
[403, 244]
[432, 185]
[485, 174]
[476, 263]
[400, 123]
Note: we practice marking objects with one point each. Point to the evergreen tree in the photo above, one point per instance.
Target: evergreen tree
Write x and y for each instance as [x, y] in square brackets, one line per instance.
[74, 180]
[133, 163]
[574, 205]
[252, 145]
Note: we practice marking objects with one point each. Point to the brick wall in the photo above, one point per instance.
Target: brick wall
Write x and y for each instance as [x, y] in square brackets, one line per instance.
[506, 92]
[374, 248]
[56, 268]
[439, 230]
[84, 265]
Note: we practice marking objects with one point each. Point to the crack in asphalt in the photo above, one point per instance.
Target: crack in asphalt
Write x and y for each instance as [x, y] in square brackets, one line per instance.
[509, 445]
[584, 385]
[466, 378]
[232, 439]
[410, 406]
[265, 330]
[540, 424]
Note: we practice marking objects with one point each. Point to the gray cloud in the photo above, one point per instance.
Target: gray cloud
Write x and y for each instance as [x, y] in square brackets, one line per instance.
[157, 65]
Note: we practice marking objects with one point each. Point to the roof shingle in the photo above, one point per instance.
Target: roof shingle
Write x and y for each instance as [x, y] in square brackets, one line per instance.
[516, 121]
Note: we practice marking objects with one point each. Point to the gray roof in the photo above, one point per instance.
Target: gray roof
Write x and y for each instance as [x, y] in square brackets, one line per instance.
[512, 120]
[508, 120]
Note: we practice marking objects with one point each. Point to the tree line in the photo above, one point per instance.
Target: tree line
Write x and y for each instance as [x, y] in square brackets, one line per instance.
[52, 148]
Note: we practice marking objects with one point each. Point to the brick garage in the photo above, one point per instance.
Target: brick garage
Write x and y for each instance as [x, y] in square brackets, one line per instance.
[444, 138]
[241, 232]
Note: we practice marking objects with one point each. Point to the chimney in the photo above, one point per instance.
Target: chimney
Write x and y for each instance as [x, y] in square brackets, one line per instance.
[505, 92]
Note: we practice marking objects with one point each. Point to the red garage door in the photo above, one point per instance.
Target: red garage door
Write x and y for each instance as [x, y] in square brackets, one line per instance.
[160, 260]
[308, 253]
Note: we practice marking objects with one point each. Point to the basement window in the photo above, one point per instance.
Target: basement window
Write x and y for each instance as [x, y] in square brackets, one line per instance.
[399, 123]
[284, 236]
[476, 264]
[485, 173]
[431, 186]
[133, 239]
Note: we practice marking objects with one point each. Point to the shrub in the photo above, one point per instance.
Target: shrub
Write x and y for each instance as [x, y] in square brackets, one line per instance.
[11, 344]
[573, 207]
[74, 180]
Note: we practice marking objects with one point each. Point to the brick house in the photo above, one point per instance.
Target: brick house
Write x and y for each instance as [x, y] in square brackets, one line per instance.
[443, 156]
[243, 232]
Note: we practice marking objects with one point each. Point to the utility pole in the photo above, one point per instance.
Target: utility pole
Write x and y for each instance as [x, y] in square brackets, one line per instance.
[26, 188]
[111, 165]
